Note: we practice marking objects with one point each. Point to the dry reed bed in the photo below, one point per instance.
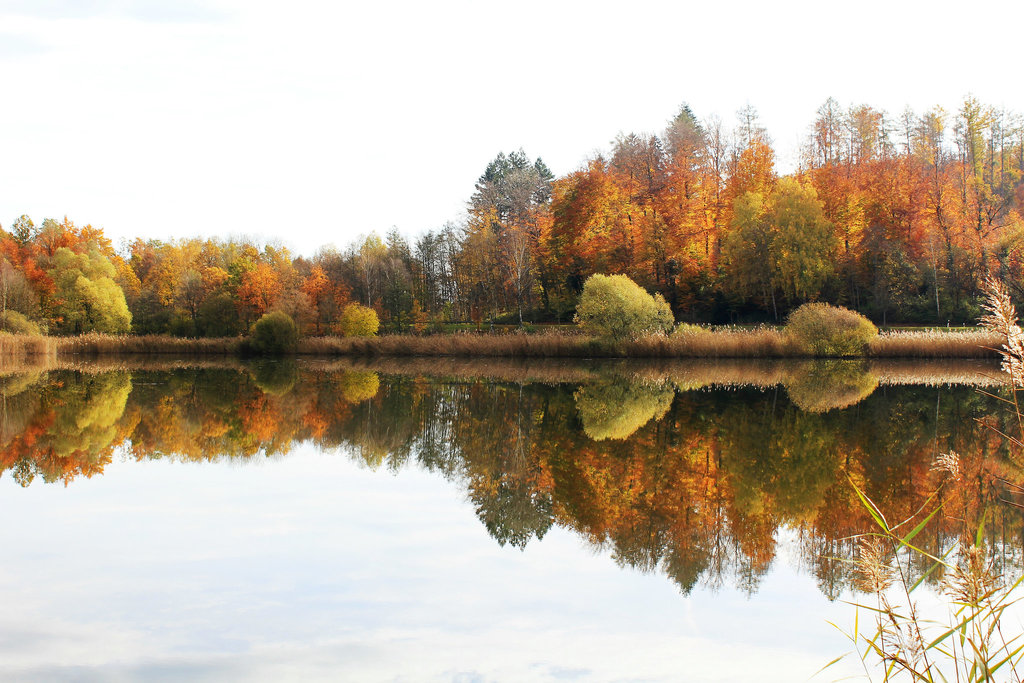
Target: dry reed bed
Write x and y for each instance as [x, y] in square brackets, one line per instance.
[757, 343]
[22, 352]
[95, 344]
[936, 344]
[763, 342]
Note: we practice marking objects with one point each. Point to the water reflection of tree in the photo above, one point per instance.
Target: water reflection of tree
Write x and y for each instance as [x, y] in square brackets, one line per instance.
[67, 429]
[694, 484]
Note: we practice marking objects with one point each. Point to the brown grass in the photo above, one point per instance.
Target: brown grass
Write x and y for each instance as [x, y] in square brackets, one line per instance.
[760, 342]
[756, 343]
[95, 344]
[936, 344]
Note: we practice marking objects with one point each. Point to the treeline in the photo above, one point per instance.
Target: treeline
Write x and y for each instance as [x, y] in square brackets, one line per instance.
[898, 217]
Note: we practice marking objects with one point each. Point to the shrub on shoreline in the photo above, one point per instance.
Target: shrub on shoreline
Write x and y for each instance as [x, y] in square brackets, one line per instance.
[14, 322]
[824, 330]
[274, 333]
[615, 307]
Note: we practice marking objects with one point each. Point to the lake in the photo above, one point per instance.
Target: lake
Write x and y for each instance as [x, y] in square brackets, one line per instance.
[455, 520]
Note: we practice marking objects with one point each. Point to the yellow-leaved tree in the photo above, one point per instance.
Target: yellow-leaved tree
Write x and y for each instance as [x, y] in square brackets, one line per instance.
[87, 299]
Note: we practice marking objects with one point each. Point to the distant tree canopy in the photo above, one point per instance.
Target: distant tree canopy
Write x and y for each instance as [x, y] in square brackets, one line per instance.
[899, 217]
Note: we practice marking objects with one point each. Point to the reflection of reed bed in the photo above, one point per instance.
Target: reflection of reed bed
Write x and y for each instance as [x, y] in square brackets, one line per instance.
[979, 373]
[684, 373]
[548, 371]
[16, 365]
[100, 364]
[24, 349]
[936, 344]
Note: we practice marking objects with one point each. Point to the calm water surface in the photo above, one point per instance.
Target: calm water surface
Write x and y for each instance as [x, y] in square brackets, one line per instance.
[466, 522]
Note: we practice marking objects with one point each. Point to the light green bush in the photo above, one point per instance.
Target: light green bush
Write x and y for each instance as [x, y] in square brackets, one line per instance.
[358, 321]
[823, 330]
[274, 333]
[614, 306]
[17, 323]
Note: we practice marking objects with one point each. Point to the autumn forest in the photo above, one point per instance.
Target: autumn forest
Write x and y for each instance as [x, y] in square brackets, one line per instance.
[898, 217]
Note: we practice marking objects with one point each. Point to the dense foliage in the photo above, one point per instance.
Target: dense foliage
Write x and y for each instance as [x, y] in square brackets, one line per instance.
[896, 217]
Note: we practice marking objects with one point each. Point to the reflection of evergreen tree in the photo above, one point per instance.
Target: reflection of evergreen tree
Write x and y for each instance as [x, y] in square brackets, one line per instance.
[513, 512]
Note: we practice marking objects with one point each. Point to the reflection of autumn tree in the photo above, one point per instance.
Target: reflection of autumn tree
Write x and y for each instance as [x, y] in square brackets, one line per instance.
[478, 432]
[209, 414]
[73, 430]
[19, 402]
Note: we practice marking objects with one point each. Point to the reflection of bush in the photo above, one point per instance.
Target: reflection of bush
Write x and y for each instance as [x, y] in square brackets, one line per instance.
[12, 385]
[614, 410]
[820, 386]
[359, 385]
[275, 377]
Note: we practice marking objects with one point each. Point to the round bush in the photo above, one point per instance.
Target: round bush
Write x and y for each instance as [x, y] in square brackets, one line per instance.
[614, 306]
[358, 321]
[823, 330]
[16, 323]
[274, 334]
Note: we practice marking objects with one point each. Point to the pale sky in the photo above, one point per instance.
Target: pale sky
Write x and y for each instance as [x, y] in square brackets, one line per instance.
[314, 122]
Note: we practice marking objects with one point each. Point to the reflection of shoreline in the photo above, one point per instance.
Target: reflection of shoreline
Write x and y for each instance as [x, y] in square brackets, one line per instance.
[685, 373]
